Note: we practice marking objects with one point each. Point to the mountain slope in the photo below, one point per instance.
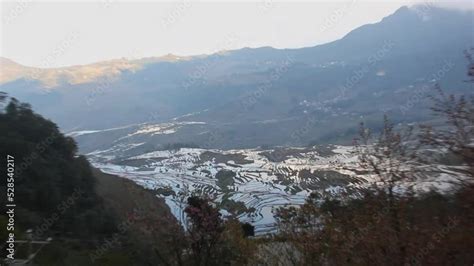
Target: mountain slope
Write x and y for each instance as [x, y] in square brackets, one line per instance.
[268, 96]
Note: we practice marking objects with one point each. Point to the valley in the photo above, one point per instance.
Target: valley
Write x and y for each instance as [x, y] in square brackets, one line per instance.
[278, 133]
[247, 183]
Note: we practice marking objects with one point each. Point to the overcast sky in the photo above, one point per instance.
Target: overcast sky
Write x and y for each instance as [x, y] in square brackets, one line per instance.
[46, 34]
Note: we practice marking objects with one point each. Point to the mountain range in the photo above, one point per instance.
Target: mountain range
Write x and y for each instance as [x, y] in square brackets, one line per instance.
[257, 96]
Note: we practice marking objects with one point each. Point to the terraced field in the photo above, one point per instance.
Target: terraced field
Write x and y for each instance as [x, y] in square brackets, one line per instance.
[248, 183]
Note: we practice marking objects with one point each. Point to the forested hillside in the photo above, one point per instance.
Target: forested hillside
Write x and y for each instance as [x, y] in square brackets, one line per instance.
[70, 208]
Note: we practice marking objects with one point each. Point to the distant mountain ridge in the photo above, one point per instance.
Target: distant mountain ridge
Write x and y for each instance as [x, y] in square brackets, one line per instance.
[78, 74]
[266, 96]
[363, 36]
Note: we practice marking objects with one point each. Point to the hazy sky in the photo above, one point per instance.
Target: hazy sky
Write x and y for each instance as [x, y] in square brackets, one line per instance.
[48, 34]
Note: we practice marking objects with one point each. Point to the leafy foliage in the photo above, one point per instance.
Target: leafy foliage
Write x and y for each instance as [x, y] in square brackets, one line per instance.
[213, 240]
[391, 224]
[50, 178]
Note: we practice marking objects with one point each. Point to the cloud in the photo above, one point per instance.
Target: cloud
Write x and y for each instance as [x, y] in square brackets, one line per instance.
[454, 4]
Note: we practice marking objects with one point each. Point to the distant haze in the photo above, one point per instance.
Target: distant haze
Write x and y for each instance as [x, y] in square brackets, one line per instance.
[44, 34]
